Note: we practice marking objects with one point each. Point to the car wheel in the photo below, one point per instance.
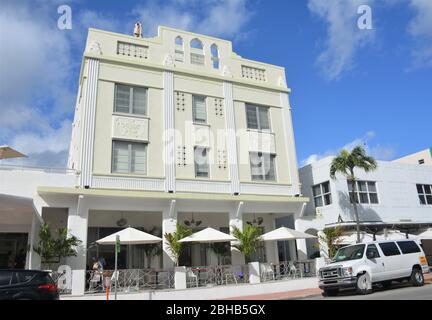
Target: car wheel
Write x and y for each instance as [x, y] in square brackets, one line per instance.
[330, 292]
[364, 284]
[417, 279]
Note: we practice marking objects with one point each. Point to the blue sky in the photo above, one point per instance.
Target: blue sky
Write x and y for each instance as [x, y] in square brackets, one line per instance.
[349, 86]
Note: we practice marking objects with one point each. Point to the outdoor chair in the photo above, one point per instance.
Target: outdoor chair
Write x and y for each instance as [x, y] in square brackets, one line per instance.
[235, 273]
[294, 272]
[191, 277]
[267, 272]
[95, 282]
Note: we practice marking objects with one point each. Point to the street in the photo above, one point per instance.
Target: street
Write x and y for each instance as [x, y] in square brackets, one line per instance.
[396, 292]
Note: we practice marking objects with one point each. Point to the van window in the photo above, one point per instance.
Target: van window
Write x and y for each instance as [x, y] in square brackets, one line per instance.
[389, 249]
[408, 247]
[5, 278]
[374, 249]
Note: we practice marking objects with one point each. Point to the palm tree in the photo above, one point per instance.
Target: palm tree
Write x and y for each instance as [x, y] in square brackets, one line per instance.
[248, 239]
[153, 249]
[172, 239]
[345, 163]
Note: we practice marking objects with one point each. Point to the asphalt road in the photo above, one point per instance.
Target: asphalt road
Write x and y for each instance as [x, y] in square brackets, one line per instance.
[396, 292]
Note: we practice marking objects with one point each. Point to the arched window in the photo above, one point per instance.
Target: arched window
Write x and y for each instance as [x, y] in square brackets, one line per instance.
[196, 44]
[179, 41]
[214, 56]
[179, 53]
[197, 52]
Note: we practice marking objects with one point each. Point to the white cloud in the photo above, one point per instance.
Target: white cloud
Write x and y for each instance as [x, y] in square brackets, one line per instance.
[420, 28]
[343, 36]
[214, 17]
[377, 151]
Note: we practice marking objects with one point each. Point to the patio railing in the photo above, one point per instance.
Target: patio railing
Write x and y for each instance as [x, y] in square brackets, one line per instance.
[130, 280]
[287, 270]
[206, 276]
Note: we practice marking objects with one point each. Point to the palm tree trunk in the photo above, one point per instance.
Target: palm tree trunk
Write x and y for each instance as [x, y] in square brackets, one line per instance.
[354, 201]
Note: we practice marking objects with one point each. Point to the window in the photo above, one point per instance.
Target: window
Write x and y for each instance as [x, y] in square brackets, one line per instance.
[425, 194]
[322, 194]
[262, 166]
[201, 162]
[24, 276]
[214, 56]
[130, 99]
[179, 52]
[197, 52]
[199, 109]
[372, 251]
[408, 247]
[365, 191]
[129, 157]
[5, 278]
[389, 249]
[257, 117]
[349, 253]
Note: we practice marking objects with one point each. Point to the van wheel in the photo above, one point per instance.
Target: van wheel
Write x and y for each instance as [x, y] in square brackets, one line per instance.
[364, 284]
[330, 292]
[417, 279]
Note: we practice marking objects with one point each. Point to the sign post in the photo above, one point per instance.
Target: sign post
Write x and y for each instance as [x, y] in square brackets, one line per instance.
[117, 251]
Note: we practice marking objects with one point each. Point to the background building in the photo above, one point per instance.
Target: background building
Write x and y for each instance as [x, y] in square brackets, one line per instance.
[421, 157]
[395, 196]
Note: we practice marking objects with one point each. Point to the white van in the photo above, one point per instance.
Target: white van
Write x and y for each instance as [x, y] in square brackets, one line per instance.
[361, 265]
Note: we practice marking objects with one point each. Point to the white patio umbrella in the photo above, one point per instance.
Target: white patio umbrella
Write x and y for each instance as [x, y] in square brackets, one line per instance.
[208, 235]
[284, 234]
[395, 235]
[426, 234]
[127, 236]
[351, 238]
[130, 236]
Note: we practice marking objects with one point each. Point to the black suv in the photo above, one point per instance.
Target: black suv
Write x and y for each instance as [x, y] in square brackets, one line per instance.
[27, 285]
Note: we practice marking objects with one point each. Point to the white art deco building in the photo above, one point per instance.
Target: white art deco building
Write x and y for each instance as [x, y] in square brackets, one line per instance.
[177, 128]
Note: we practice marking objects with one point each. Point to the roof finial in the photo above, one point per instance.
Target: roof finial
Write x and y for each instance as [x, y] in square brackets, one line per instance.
[138, 30]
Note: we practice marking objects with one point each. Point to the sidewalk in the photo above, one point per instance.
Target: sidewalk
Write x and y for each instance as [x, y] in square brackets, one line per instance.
[281, 295]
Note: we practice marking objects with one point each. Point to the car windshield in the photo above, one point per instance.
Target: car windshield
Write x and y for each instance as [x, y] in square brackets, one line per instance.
[349, 253]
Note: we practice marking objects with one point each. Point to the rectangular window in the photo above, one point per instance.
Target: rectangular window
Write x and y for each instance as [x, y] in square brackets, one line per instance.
[257, 117]
[197, 58]
[199, 109]
[372, 251]
[262, 166]
[201, 162]
[389, 249]
[129, 157]
[425, 194]
[408, 247]
[366, 192]
[322, 194]
[130, 99]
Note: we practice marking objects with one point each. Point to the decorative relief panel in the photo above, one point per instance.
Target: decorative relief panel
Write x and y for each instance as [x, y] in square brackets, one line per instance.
[180, 101]
[181, 156]
[221, 159]
[218, 106]
[132, 50]
[254, 73]
[130, 128]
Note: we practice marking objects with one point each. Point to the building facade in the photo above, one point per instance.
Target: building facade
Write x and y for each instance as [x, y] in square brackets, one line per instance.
[421, 157]
[172, 129]
[395, 196]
